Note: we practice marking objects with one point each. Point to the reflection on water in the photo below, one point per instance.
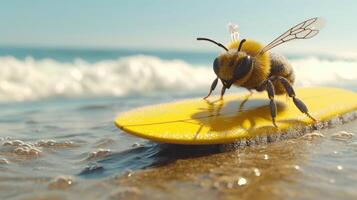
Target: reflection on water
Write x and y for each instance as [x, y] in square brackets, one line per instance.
[306, 168]
[73, 150]
[145, 156]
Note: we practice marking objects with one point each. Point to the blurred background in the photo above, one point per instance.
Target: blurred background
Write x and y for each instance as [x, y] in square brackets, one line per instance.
[161, 25]
[118, 48]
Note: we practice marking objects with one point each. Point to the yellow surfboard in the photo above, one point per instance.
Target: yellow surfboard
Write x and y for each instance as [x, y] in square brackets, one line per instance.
[214, 121]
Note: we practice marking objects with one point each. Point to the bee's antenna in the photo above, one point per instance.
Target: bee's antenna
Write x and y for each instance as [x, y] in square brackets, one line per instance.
[218, 44]
[241, 44]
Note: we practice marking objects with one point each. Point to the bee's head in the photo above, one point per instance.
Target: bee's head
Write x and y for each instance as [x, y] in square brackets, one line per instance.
[233, 65]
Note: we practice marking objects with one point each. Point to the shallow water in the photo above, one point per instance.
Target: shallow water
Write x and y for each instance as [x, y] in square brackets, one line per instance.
[62, 149]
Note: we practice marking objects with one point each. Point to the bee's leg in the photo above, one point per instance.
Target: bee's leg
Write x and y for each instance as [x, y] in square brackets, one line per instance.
[223, 91]
[298, 103]
[224, 87]
[213, 86]
[271, 93]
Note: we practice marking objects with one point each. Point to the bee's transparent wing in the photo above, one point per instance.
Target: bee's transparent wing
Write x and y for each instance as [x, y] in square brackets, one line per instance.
[304, 30]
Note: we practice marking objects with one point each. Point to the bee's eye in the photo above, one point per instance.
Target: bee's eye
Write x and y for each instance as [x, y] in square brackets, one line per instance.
[242, 68]
[216, 66]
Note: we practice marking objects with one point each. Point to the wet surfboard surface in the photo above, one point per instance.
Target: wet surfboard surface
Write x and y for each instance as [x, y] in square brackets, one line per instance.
[237, 116]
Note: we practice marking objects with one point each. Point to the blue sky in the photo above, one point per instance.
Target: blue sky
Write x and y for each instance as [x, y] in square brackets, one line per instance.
[163, 24]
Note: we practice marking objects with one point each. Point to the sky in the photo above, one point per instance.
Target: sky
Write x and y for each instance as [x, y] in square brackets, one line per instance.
[174, 25]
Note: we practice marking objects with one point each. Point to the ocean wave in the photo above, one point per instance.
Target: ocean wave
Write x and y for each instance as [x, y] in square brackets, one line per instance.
[30, 79]
[314, 71]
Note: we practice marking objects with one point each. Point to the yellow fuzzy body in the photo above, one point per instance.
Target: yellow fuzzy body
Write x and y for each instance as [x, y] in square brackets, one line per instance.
[261, 64]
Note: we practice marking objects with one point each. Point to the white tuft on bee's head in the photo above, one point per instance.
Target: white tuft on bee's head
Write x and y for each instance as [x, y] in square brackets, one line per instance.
[233, 30]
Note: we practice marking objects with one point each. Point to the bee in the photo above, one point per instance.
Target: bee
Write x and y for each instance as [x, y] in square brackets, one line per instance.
[247, 63]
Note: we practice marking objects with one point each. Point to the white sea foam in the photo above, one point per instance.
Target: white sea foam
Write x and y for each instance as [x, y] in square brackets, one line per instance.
[313, 71]
[31, 79]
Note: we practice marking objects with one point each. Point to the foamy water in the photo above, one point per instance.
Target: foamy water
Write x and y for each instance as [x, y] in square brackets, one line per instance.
[30, 79]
